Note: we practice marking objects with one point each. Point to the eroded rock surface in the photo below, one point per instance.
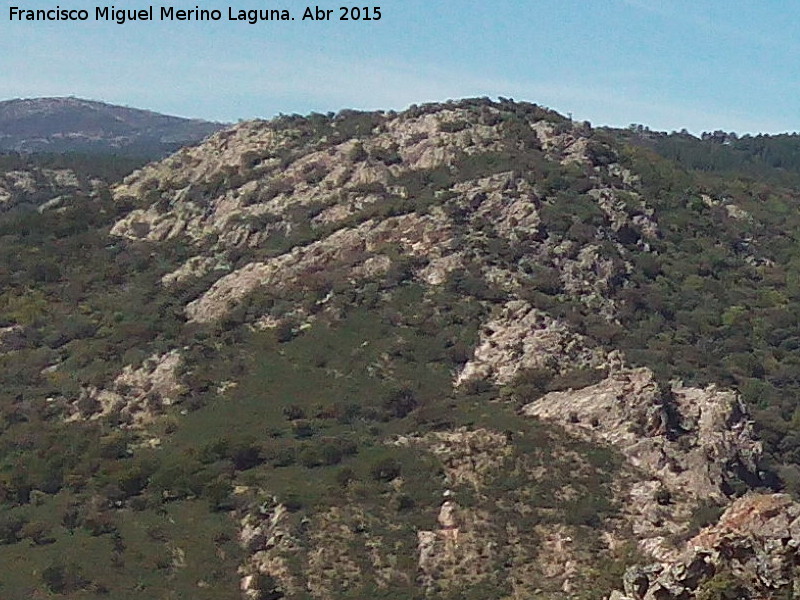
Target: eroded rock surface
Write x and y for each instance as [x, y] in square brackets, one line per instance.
[137, 395]
[752, 552]
[690, 445]
[522, 337]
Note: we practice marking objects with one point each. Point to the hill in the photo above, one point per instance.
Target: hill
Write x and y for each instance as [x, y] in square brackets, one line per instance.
[58, 125]
[469, 350]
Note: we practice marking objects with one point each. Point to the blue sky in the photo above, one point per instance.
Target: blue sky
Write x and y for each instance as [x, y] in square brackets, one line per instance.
[701, 65]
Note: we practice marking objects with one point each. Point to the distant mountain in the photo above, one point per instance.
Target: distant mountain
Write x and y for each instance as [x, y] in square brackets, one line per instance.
[75, 125]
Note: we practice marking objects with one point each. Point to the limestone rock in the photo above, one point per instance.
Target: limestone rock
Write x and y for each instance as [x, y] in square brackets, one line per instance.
[691, 440]
[354, 250]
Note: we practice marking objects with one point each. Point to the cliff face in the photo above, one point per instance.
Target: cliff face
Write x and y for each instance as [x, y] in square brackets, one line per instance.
[379, 355]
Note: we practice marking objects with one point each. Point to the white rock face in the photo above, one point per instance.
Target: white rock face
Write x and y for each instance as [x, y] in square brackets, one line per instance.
[258, 184]
[522, 337]
[689, 441]
[353, 249]
[137, 394]
[688, 445]
[264, 536]
[39, 186]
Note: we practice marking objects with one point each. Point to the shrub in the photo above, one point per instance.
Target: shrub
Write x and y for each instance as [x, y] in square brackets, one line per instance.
[38, 532]
[399, 403]
[345, 476]
[64, 579]
[576, 379]
[385, 469]
[722, 586]
[282, 456]
[302, 429]
[266, 587]
[403, 503]
[587, 510]
[218, 494]
[706, 513]
[357, 153]
[215, 450]
[453, 126]
[294, 412]
[10, 528]
[100, 523]
[245, 455]
[530, 384]
[310, 457]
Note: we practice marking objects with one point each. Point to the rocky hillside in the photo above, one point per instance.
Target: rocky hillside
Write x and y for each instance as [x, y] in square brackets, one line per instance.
[470, 350]
[76, 125]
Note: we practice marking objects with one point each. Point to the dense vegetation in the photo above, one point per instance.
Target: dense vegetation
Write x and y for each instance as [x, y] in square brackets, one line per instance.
[721, 302]
[301, 415]
[87, 511]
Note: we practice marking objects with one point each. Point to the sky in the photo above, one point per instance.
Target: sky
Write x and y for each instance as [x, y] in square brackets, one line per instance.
[701, 65]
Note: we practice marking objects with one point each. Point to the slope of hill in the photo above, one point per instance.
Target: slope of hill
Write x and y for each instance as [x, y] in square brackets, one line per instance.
[469, 350]
[84, 126]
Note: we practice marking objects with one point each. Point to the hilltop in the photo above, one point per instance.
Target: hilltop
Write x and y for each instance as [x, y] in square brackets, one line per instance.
[468, 350]
[58, 125]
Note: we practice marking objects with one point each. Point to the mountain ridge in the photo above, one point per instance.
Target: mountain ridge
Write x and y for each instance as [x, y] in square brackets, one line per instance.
[472, 349]
[70, 124]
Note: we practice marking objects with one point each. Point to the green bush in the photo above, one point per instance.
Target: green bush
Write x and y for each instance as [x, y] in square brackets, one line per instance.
[64, 579]
[385, 469]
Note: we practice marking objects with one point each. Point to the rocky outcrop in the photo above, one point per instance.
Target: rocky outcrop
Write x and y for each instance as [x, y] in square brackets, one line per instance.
[271, 184]
[691, 438]
[470, 456]
[522, 337]
[32, 186]
[353, 252]
[237, 174]
[460, 553]
[137, 395]
[292, 209]
[752, 552]
[690, 445]
[265, 536]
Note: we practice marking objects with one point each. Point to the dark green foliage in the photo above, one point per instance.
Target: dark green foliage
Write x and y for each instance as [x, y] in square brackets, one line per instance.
[587, 510]
[530, 384]
[267, 587]
[245, 454]
[706, 513]
[385, 469]
[317, 409]
[399, 403]
[11, 527]
[64, 579]
[722, 586]
[575, 379]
